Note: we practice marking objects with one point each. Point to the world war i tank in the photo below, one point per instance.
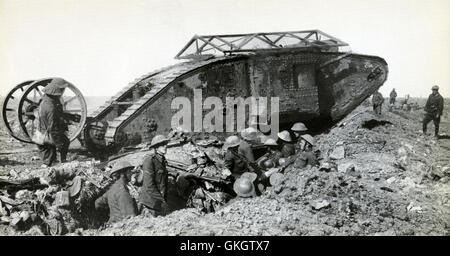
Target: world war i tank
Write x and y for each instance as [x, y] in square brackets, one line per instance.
[313, 79]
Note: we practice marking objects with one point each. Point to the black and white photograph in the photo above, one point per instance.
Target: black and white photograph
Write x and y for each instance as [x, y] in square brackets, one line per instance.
[213, 118]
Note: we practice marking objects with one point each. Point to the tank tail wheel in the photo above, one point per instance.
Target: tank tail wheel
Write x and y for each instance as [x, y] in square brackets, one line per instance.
[9, 112]
[73, 102]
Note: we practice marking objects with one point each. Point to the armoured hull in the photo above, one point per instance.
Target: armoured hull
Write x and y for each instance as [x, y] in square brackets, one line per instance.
[311, 86]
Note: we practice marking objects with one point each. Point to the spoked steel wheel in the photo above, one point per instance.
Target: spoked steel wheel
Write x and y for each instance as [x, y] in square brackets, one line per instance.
[9, 112]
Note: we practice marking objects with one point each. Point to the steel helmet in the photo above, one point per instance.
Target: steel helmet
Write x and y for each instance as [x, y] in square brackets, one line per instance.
[308, 138]
[282, 161]
[120, 166]
[55, 87]
[284, 135]
[231, 141]
[299, 127]
[435, 87]
[244, 186]
[270, 142]
[268, 164]
[159, 140]
[249, 133]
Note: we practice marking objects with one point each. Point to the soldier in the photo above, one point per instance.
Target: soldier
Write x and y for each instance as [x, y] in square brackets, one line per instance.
[233, 162]
[52, 123]
[306, 157]
[287, 147]
[392, 97]
[118, 198]
[433, 109]
[248, 135]
[377, 101]
[153, 195]
[273, 155]
[298, 129]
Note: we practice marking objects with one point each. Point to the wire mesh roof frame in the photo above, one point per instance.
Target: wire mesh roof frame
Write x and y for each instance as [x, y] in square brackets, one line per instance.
[211, 45]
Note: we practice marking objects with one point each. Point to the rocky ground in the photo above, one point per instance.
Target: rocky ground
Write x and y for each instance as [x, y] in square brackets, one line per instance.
[378, 176]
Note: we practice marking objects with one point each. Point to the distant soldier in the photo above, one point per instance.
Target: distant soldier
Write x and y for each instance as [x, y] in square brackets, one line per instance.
[287, 146]
[392, 97]
[377, 102]
[153, 195]
[118, 198]
[433, 109]
[52, 123]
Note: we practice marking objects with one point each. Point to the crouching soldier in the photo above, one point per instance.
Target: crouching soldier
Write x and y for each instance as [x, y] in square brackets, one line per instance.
[233, 161]
[118, 198]
[287, 146]
[153, 195]
[306, 157]
[273, 155]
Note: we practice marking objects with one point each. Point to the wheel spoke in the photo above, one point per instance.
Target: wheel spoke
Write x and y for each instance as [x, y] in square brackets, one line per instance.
[40, 93]
[69, 100]
[72, 110]
[30, 101]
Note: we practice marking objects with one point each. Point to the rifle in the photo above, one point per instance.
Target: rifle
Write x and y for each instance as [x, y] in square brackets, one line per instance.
[180, 168]
[251, 165]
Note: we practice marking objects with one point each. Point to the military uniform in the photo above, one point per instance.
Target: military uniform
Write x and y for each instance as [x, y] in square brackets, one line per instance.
[51, 120]
[377, 101]
[153, 195]
[433, 108]
[119, 202]
[392, 97]
[288, 149]
[246, 150]
[236, 165]
[304, 159]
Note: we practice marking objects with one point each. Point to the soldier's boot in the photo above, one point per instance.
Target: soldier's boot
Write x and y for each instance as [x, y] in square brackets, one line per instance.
[424, 128]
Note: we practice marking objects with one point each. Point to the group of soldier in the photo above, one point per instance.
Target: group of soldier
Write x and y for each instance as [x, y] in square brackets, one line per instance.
[292, 146]
[239, 159]
[433, 108]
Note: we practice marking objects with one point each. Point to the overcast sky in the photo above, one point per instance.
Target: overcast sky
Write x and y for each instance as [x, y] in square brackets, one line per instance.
[102, 45]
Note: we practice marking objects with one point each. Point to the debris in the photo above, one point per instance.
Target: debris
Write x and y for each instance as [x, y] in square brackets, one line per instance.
[320, 204]
[391, 180]
[338, 153]
[346, 167]
[62, 199]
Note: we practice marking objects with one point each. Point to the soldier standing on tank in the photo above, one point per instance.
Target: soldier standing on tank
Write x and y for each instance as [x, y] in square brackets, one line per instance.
[52, 123]
[153, 194]
[433, 110]
[377, 102]
[392, 97]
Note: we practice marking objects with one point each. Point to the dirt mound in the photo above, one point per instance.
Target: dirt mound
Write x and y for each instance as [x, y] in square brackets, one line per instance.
[378, 175]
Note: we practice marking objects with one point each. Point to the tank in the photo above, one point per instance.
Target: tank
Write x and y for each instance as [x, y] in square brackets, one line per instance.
[315, 81]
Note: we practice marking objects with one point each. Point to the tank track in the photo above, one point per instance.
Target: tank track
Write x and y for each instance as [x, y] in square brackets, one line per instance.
[159, 80]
